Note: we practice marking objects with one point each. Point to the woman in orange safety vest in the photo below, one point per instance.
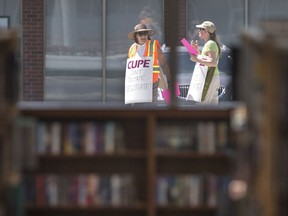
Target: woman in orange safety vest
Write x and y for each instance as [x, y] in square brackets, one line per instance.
[144, 47]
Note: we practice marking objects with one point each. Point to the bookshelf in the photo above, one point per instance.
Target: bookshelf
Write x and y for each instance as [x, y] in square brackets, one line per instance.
[9, 174]
[156, 175]
[262, 149]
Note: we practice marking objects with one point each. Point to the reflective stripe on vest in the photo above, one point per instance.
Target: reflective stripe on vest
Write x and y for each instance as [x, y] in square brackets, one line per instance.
[151, 49]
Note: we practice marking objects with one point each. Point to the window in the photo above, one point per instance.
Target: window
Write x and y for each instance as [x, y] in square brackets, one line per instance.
[227, 15]
[267, 9]
[82, 61]
[4, 22]
[73, 50]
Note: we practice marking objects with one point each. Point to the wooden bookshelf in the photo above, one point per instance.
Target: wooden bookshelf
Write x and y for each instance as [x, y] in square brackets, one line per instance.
[140, 157]
[262, 158]
[9, 171]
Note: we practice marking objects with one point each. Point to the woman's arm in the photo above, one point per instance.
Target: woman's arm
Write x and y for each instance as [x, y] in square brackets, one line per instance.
[164, 64]
[210, 60]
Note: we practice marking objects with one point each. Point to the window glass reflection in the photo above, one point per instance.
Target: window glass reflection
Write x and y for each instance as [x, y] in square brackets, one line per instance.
[267, 9]
[228, 24]
[73, 50]
[122, 16]
[12, 9]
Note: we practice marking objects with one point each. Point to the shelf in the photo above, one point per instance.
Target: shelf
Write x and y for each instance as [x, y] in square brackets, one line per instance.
[138, 209]
[103, 163]
[174, 154]
[183, 162]
[141, 157]
[180, 162]
[84, 110]
[186, 211]
[97, 156]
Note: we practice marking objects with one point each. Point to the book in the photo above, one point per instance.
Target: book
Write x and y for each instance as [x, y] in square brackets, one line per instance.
[51, 190]
[88, 138]
[109, 137]
[105, 190]
[195, 189]
[115, 190]
[55, 137]
[162, 189]
[41, 136]
[92, 189]
[82, 190]
[40, 190]
[212, 189]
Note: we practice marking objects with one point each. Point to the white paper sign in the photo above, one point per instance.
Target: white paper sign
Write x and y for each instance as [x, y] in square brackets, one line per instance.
[138, 80]
[197, 83]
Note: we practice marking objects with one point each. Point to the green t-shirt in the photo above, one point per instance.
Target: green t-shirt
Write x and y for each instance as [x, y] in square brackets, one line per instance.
[211, 46]
[212, 71]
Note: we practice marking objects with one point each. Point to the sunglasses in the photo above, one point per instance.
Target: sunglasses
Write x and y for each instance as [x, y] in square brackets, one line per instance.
[142, 33]
[201, 29]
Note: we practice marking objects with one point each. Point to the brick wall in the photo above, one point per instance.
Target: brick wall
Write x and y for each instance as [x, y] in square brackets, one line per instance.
[182, 19]
[33, 49]
[181, 27]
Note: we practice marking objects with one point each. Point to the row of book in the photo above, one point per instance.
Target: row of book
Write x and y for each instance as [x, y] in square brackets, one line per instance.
[201, 136]
[119, 190]
[87, 137]
[90, 137]
[79, 190]
[192, 190]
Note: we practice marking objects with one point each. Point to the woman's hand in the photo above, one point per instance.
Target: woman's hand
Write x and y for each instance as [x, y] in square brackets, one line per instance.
[195, 44]
[193, 58]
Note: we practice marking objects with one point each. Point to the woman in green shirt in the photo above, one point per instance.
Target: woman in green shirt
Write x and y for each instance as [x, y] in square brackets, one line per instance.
[209, 57]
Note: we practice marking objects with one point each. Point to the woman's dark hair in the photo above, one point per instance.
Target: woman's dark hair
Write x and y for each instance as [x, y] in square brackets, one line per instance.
[136, 40]
[214, 38]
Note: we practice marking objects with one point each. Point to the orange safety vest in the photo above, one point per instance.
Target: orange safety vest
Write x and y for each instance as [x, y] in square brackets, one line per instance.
[152, 51]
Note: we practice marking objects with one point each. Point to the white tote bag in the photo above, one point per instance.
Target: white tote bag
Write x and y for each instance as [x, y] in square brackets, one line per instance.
[197, 83]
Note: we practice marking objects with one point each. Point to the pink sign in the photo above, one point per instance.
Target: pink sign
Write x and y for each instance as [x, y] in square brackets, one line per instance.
[190, 48]
[166, 93]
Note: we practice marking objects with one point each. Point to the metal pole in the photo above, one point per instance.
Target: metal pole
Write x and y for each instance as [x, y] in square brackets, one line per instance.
[246, 14]
[104, 51]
